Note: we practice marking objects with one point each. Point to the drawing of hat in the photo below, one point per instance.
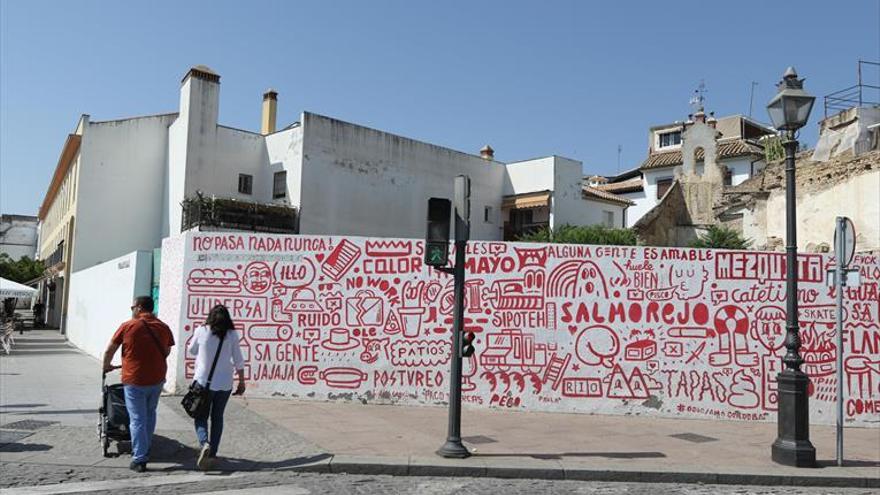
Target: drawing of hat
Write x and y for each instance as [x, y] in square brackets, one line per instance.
[339, 340]
[304, 300]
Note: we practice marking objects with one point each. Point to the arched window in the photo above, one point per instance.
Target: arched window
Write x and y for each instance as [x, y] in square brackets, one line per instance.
[699, 159]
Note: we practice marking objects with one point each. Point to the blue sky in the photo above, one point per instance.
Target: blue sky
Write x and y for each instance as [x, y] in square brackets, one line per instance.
[575, 79]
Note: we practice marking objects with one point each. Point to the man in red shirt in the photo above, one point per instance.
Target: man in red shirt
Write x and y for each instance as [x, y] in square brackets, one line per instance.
[146, 342]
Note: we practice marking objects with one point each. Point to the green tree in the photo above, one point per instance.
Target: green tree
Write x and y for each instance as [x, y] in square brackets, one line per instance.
[590, 234]
[718, 237]
[20, 271]
[773, 148]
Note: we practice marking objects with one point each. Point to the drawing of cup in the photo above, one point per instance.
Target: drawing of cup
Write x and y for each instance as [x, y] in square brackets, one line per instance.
[412, 321]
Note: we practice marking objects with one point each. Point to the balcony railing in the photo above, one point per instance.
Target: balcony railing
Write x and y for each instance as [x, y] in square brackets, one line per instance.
[231, 214]
[858, 95]
[56, 257]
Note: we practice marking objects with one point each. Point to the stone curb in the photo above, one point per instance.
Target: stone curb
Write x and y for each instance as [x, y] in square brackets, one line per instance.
[550, 470]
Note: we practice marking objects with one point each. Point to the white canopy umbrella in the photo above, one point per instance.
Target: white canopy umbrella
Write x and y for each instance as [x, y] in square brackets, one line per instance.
[8, 288]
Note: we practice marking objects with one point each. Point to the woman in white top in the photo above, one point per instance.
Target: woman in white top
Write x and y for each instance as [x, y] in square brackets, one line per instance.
[203, 346]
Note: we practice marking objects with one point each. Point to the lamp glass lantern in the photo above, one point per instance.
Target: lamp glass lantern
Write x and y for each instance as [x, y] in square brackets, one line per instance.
[790, 108]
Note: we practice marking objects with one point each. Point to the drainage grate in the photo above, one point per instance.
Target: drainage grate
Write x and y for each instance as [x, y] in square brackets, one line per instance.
[478, 439]
[13, 436]
[29, 424]
[693, 437]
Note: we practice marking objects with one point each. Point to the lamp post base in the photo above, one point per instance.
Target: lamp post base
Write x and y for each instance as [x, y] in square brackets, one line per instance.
[792, 446]
[453, 449]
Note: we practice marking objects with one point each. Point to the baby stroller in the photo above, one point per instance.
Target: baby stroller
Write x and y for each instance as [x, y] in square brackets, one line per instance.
[112, 416]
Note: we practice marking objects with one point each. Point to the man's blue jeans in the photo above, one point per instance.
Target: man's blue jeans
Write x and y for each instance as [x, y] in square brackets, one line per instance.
[219, 398]
[141, 402]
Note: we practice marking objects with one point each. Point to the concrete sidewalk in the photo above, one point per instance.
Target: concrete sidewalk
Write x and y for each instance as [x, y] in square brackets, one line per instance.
[402, 440]
[48, 415]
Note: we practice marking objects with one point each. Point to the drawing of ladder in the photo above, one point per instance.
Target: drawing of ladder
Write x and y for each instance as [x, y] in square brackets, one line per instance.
[556, 369]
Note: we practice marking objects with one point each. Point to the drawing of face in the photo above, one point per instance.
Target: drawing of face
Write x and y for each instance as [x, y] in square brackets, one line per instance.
[688, 280]
[257, 277]
[591, 282]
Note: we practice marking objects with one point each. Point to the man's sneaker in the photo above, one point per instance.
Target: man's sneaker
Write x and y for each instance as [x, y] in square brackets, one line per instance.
[138, 467]
[204, 461]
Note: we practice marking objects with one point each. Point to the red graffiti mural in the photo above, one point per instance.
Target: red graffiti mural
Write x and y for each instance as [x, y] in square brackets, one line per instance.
[596, 329]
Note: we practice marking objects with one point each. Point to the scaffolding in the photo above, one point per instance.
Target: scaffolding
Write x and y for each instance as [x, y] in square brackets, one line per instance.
[854, 96]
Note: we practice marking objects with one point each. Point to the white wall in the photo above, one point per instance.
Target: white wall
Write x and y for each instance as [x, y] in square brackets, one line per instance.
[172, 308]
[642, 205]
[120, 188]
[192, 140]
[564, 177]
[530, 176]
[206, 157]
[650, 182]
[816, 212]
[569, 205]
[741, 168]
[360, 181]
[18, 236]
[100, 298]
[237, 152]
[284, 149]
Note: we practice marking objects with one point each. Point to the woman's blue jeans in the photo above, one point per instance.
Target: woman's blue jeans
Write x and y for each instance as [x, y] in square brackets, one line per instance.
[219, 398]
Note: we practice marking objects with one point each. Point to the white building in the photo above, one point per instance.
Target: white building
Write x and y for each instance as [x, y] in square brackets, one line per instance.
[119, 185]
[18, 236]
[739, 152]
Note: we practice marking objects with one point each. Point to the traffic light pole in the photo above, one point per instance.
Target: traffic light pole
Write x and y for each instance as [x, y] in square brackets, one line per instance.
[453, 447]
[462, 213]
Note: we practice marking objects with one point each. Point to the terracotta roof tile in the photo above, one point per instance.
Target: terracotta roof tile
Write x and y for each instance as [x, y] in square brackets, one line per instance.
[593, 193]
[726, 149]
[630, 185]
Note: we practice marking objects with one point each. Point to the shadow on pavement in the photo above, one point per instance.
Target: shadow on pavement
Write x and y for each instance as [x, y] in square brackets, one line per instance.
[53, 411]
[608, 455]
[236, 464]
[20, 405]
[166, 450]
[25, 447]
[28, 352]
[847, 463]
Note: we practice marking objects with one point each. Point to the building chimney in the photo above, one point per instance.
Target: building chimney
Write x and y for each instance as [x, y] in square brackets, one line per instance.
[700, 116]
[487, 153]
[202, 72]
[270, 109]
[712, 121]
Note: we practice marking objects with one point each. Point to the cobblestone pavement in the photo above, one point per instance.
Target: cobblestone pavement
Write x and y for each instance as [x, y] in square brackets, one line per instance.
[293, 483]
[48, 424]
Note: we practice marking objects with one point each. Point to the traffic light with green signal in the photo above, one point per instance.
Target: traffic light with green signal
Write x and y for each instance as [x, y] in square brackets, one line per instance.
[437, 235]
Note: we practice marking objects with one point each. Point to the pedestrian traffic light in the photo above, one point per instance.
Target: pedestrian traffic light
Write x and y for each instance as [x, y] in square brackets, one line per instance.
[437, 235]
[467, 344]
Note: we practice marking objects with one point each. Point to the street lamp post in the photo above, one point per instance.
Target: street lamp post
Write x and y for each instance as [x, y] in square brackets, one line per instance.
[789, 111]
